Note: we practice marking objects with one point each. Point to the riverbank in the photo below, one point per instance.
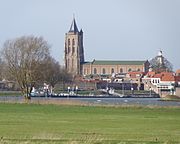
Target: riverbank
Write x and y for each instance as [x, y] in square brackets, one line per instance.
[10, 93]
[171, 98]
[89, 94]
[145, 102]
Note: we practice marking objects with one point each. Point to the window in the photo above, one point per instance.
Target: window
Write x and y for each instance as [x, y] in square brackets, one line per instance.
[73, 42]
[95, 71]
[121, 70]
[112, 70]
[73, 46]
[138, 69]
[69, 43]
[84, 71]
[69, 49]
[66, 50]
[104, 71]
[68, 63]
[73, 49]
[129, 69]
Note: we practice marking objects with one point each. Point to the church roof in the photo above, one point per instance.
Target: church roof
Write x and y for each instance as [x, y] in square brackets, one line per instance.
[73, 27]
[106, 62]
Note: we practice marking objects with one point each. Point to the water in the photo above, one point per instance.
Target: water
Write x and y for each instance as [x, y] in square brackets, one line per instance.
[132, 101]
[104, 101]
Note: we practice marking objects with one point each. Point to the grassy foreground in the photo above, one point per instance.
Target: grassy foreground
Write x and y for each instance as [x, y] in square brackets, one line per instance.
[33, 123]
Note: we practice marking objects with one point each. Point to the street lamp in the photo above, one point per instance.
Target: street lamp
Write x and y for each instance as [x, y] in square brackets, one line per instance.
[132, 89]
[68, 92]
[76, 90]
[69, 89]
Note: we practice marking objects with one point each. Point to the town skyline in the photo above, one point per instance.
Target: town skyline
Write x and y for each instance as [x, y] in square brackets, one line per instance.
[128, 31]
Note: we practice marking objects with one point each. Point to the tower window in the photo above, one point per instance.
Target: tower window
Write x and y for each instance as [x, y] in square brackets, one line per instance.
[66, 50]
[112, 70]
[73, 42]
[69, 43]
[69, 49]
[104, 71]
[73, 49]
[73, 46]
[121, 70]
[95, 71]
[67, 64]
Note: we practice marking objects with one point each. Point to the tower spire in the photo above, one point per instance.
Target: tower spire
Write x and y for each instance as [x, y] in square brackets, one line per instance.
[73, 27]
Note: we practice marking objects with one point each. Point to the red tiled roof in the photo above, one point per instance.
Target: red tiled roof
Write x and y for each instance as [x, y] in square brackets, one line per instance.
[135, 73]
[157, 75]
[177, 78]
[168, 78]
[167, 73]
[164, 76]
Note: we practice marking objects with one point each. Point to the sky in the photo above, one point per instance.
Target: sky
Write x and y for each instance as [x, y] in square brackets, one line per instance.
[113, 29]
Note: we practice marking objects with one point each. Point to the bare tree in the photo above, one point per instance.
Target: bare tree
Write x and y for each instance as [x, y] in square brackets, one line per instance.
[1, 69]
[22, 56]
[65, 77]
[160, 67]
[50, 71]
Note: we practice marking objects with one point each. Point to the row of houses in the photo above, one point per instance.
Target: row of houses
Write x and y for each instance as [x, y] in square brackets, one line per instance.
[161, 83]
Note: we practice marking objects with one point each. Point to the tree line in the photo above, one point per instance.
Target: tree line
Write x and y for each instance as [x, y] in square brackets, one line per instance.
[27, 61]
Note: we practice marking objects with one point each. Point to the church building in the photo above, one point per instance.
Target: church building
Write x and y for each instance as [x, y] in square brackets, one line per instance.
[76, 64]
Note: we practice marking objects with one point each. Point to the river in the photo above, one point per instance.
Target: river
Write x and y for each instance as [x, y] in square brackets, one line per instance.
[104, 101]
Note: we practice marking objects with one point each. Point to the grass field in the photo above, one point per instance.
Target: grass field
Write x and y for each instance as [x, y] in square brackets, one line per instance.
[33, 123]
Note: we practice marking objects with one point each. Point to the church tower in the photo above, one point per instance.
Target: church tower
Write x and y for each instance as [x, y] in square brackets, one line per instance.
[74, 51]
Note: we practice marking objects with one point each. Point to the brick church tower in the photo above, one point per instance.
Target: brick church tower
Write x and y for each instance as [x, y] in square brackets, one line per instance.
[74, 51]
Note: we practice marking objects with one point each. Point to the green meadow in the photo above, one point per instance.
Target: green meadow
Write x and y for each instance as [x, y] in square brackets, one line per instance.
[67, 124]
